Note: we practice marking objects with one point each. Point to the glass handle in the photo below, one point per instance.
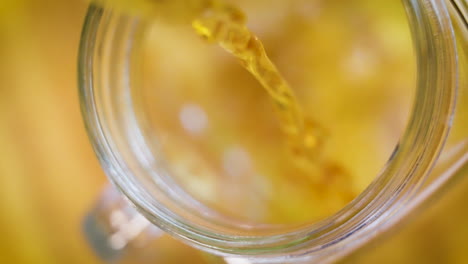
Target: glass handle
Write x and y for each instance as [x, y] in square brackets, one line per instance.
[113, 227]
[117, 233]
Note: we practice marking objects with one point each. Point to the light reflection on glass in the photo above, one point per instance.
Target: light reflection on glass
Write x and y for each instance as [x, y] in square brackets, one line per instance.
[127, 228]
[193, 119]
[237, 161]
[237, 261]
[360, 64]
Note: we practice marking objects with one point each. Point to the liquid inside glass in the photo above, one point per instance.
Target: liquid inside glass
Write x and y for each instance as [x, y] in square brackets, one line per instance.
[276, 112]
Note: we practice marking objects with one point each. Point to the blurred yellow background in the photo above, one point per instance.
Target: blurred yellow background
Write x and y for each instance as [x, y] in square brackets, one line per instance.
[49, 176]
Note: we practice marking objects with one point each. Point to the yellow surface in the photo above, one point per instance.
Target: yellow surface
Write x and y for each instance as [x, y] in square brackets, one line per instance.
[49, 176]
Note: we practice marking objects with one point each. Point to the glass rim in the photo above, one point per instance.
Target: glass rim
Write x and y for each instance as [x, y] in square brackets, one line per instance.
[377, 208]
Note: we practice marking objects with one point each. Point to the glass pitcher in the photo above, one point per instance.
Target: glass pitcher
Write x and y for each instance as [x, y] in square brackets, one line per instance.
[165, 185]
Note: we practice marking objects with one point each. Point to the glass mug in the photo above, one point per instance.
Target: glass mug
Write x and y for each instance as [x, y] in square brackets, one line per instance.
[143, 154]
